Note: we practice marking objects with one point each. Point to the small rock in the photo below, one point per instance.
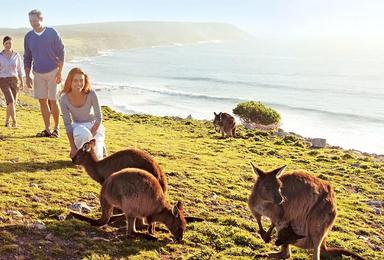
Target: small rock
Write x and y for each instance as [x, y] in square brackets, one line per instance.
[33, 185]
[35, 199]
[100, 239]
[189, 117]
[39, 225]
[318, 142]
[14, 213]
[49, 237]
[355, 165]
[92, 196]
[363, 238]
[280, 132]
[214, 196]
[375, 203]
[20, 257]
[81, 207]
[14, 160]
[61, 217]
[378, 211]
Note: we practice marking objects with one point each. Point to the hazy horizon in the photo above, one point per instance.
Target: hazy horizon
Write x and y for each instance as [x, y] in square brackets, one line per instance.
[297, 19]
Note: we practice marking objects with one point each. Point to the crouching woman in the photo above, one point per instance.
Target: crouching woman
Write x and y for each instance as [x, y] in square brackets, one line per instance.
[81, 113]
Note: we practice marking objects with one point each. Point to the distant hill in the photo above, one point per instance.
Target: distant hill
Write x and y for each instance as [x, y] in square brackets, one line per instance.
[88, 39]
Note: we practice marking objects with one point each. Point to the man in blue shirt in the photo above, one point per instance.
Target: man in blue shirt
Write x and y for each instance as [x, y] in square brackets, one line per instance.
[44, 55]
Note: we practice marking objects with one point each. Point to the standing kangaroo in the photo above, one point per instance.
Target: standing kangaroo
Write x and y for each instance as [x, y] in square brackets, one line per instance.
[129, 158]
[300, 200]
[139, 194]
[225, 123]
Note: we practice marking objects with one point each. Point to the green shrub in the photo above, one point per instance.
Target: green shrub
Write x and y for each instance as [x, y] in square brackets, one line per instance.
[256, 112]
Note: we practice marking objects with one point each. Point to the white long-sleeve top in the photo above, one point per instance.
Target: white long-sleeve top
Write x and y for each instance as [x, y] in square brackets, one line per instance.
[10, 67]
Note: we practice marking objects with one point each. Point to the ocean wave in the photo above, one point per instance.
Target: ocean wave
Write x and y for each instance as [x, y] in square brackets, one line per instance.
[99, 86]
[110, 86]
[348, 116]
[282, 87]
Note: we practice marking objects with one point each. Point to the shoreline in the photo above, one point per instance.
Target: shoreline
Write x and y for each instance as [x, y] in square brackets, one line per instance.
[278, 132]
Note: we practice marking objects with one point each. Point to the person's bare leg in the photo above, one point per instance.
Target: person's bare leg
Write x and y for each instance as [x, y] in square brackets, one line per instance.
[7, 116]
[55, 113]
[44, 108]
[12, 113]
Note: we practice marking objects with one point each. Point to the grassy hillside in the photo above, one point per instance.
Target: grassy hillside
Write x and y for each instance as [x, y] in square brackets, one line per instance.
[210, 175]
[87, 39]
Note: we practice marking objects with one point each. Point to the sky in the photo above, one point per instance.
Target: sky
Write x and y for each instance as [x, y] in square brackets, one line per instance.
[275, 18]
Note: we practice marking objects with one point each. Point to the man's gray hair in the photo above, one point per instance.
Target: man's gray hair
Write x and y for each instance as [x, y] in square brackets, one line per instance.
[37, 13]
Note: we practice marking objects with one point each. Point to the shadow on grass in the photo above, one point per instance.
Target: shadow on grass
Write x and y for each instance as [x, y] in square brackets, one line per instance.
[10, 167]
[71, 240]
[22, 137]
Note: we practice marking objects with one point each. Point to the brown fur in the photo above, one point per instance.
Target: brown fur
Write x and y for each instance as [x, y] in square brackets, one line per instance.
[225, 124]
[287, 236]
[129, 158]
[298, 199]
[139, 194]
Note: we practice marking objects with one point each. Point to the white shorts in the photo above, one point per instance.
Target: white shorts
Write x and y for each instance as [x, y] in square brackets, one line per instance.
[82, 134]
[44, 85]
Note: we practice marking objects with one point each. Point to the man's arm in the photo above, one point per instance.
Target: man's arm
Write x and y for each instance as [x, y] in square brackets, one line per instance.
[59, 49]
[27, 63]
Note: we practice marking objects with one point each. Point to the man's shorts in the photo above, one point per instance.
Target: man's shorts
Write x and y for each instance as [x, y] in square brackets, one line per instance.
[44, 85]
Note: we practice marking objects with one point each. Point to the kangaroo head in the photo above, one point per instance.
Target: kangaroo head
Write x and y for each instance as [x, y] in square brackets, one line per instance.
[287, 236]
[84, 152]
[217, 120]
[178, 225]
[268, 185]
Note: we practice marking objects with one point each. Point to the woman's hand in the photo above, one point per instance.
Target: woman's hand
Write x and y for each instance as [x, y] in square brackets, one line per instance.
[72, 153]
[21, 85]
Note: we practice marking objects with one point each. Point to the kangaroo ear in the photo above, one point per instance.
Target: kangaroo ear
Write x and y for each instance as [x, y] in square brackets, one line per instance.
[92, 142]
[215, 113]
[175, 210]
[256, 170]
[279, 171]
[179, 205]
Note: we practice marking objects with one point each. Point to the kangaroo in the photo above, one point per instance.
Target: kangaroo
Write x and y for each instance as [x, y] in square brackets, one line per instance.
[225, 123]
[139, 194]
[308, 205]
[129, 158]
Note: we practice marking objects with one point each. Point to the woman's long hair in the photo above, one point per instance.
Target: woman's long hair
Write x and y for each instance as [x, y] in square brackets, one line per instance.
[68, 81]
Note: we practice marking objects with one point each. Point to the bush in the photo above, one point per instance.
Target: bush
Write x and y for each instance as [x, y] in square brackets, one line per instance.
[256, 112]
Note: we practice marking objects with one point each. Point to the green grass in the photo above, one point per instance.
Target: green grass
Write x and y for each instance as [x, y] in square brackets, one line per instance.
[210, 175]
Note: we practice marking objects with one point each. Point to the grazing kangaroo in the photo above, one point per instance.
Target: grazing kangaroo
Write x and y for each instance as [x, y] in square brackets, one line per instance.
[298, 199]
[129, 158]
[225, 124]
[139, 194]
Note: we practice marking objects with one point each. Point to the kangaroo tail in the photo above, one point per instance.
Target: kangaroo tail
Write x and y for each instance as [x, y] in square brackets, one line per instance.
[332, 251]
[96, 222]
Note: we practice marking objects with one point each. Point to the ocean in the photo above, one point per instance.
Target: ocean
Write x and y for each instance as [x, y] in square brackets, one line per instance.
[320, 91]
